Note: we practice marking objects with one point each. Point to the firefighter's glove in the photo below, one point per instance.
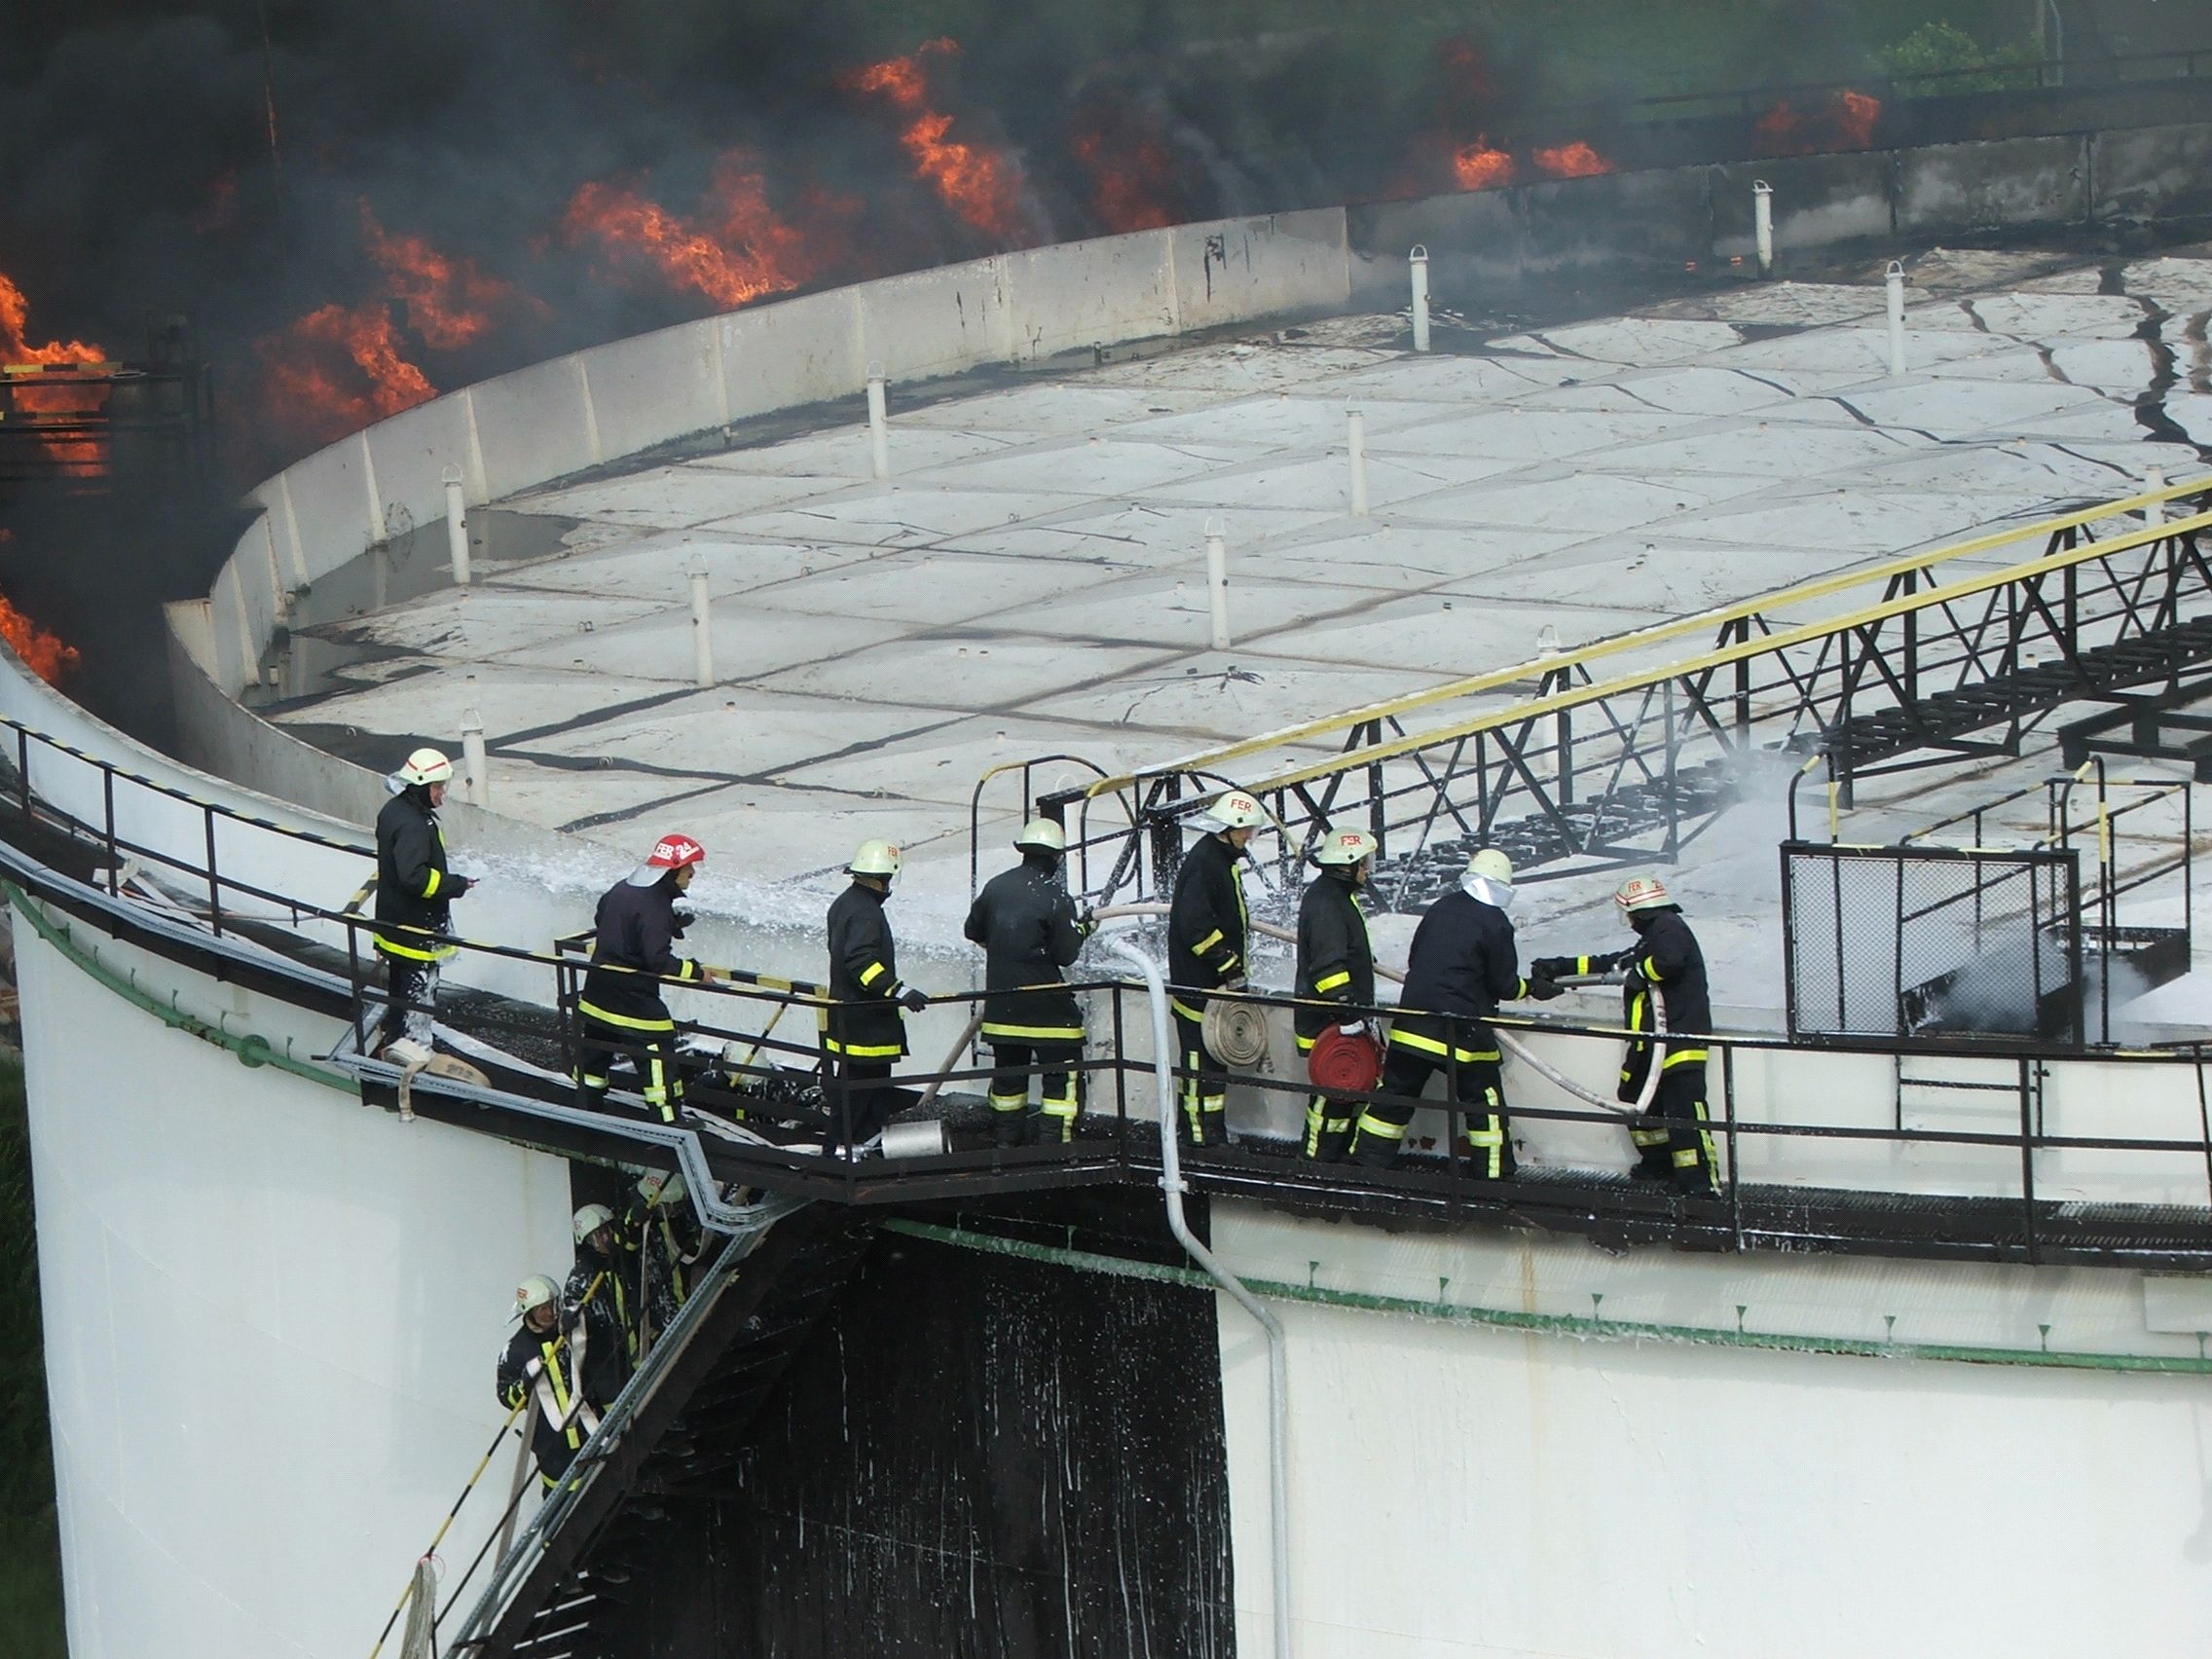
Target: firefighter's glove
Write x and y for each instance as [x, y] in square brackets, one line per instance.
[459, 885]
[1357, 1029]
[1544, 988]
[913, 1001]
[1552, 967]
[1235, 983]
[1087, 923]
[679, 917]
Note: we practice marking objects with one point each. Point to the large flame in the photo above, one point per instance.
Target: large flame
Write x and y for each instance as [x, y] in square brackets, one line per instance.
[68, 451]
[449, 302]
[739, 250]
[981, 186]
[336, 370]
[1571, 160]
[1481, 165]
[1847, 123]
[46, 655]
[14, 336]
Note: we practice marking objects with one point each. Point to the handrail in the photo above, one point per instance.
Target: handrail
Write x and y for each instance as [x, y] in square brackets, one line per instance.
[1704, 622]
[1764, 645]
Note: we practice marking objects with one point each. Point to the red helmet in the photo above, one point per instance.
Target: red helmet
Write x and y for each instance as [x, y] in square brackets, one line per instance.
[669, 852]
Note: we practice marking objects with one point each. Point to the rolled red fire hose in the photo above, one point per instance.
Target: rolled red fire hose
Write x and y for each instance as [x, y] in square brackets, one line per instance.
[1344, 1062]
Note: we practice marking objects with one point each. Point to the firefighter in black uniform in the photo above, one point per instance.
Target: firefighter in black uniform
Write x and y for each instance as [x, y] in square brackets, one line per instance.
[666, 1232]
[633, 948]
[1463, 965]
[1030, 930]
[1670, 1134]
[603, 1292]
[1336, 964]
[866, 1032]
[539, 1371]
[414, 888]
[1207, 927]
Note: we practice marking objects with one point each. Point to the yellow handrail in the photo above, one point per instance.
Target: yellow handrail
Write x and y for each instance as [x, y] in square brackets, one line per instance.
[1704, 622]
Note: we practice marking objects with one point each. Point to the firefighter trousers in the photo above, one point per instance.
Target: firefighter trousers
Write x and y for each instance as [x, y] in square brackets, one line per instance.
[652, 1052]
[859, 1102]
[411, 994]
[1670, 1134]
[1201, 1084]
[1059, 1092]
[1479, 1087]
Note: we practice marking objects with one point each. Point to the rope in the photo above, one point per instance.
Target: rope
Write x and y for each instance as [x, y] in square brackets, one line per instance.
[482, 1463]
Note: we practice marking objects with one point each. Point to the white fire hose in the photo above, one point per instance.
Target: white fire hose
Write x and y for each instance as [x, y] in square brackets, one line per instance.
[1506, 1040]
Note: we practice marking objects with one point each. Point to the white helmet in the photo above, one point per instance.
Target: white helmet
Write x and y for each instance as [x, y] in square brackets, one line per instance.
[661, 1190]
[1491, 865]
[1642, 893]
[1043, 835]
[1234, 810]
[1344, 847]
[590, 1219]
[875, 857]
[426, 766]
[534, 1291]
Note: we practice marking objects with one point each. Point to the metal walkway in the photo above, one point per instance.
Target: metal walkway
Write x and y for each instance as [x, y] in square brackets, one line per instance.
[1615, 754]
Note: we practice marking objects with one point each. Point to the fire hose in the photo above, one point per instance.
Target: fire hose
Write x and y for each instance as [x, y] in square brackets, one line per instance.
[1506, 1040]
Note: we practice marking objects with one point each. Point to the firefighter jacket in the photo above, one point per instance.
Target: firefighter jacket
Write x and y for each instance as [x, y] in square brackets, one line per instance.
[635, 930]
[672, 1241]
[603, 1292]
[1028, 924]
[865, 1021]
[1665, 954]
[1207, 923]
[1335, 961]
[1463, 962]
[412, 884]
[539, 1372]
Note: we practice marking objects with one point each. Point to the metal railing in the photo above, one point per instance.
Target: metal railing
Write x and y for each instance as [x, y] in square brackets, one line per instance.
[1585, 760]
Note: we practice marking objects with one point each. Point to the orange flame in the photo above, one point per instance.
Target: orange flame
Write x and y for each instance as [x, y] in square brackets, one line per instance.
[745, 254]
[15, 341]
[45, 654]
[1479, 167]
[1132, 173]
[983, 187]
[1847, 124]
[336, 370]
[450, 303]
[1571, 160]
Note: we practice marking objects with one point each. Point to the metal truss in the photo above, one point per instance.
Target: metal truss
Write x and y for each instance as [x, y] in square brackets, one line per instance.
[1613, 754]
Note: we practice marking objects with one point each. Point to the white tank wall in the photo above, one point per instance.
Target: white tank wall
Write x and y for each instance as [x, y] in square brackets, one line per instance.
[272, 1317]
[1459, 1488]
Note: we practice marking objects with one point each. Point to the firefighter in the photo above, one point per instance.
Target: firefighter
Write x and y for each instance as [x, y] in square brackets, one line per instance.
[414, 889]
[1336, 964]
[866, 1032]
[541, 1365]
[1207, 926]
[1670, 1134]
[603, 1292]
[668, 1236]
[1463, 965]
[1030, 929]
[633, 949]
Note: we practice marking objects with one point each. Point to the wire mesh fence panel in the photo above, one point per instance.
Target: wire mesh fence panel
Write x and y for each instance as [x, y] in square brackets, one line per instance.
[1913, 942]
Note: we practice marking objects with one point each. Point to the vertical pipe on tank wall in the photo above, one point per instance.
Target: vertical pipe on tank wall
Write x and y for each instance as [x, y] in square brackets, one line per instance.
[702, 626]
[1279, 1366]
[2154, 480]
[1894, 281]
[1762, 223]
[473, 759]
[1357, 440]
[879, 423]
[456, 524]
[1418, 261]
[1217, 584]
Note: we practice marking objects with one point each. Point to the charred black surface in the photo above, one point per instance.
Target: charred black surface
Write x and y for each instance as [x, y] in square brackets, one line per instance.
[969, 1455]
